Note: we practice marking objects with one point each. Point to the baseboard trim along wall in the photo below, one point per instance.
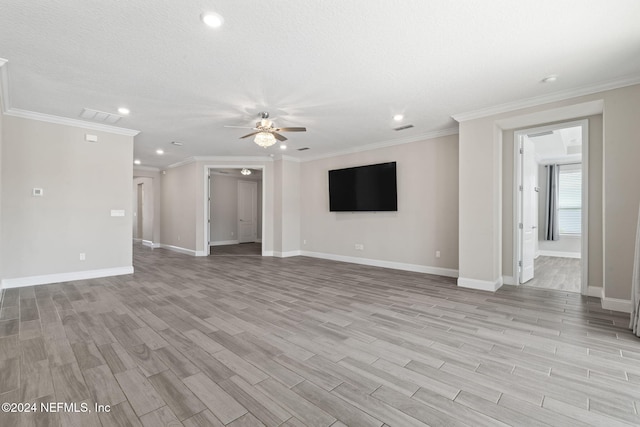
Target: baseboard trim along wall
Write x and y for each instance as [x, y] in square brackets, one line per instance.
[560, 254]
[184, 250]
[508, 280]
[594, 291]
[286, 254]
[482, 285]
[615, 304]
[438, 271]
[224, 242]
[46, 279]
[150, 244]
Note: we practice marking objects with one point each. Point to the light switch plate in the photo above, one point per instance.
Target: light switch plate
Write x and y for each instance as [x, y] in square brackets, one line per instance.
[37, 192]
[117, 212]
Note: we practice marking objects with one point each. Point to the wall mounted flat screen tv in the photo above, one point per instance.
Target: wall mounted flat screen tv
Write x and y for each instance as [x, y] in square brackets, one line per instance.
[364, 188]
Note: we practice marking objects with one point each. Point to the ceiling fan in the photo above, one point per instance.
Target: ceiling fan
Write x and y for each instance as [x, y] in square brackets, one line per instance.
[266, 134]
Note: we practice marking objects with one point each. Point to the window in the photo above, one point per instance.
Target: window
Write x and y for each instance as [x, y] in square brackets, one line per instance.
[570, 199]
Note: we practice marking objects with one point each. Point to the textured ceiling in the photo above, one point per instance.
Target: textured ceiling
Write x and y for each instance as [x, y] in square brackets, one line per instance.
[340, 68]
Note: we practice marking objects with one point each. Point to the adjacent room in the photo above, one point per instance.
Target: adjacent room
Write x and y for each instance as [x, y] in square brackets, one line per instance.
[408, 213]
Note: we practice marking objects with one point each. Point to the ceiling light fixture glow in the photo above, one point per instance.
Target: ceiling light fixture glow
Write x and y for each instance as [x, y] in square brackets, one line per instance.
[245, 171]
[550, 79]
[398, 117]
[283, 146]
[212, 20]
[124, 111]
[160, 151]
[136, 162]
[265, 139]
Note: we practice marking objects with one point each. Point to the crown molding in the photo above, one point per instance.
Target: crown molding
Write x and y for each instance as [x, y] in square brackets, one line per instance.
[546, 99]
[146, 169]
[287, 158]
[49, 118]
[383, 144]
[239, 159]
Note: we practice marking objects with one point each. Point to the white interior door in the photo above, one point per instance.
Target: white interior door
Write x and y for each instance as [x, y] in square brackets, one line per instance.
[247, 211]
[529, 227]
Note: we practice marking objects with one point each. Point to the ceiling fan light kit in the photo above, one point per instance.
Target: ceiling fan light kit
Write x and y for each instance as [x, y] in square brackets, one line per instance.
[265, 139]
[266, 134]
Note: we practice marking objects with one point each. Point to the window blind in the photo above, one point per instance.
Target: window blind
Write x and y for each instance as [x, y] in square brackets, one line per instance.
[570, 200]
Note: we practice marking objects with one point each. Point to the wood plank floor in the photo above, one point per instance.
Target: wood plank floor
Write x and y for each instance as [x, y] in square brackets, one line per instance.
[251, 341]
[563, 274]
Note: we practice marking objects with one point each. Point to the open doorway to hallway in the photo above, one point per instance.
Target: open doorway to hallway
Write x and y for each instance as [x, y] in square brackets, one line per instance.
[235, 211]
[551, 230]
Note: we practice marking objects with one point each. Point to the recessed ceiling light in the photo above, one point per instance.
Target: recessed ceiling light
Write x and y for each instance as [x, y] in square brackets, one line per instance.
[213, 20]
[283, 146]
[398, 117]
[124, 111]
[136, 162]
[550, 79]
[160, 151]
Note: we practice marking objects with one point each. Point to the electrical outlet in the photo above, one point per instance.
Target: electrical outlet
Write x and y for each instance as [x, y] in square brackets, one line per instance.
[359, 247]
[83, 256]
[304, 242]
[437, 254]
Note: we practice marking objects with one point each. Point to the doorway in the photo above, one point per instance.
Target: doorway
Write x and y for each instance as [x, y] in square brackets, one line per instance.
[140, 212]
[550, 206]
[235, 210]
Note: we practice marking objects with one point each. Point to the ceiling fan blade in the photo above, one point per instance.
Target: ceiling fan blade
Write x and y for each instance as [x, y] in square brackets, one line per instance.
[279, 137]
[294, 129]
[239, 127]
[248, 135]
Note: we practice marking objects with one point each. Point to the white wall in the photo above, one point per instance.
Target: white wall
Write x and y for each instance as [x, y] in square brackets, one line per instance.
[427, 216]
[82, 183]
[224, 207]
[147, 208]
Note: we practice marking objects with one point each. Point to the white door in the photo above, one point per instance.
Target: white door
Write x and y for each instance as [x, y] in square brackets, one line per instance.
[529, 228]
[247, 211]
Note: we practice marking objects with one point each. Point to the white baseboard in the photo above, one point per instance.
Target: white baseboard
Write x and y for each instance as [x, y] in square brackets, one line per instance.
[286, 254]
[184, 250]
[594, 291]
[561, 254]
[267, 253]
[46, 279]
[224, 242]
[615, 304]
[150, 244]
[508, 280]
[482, 285]
[438, 271]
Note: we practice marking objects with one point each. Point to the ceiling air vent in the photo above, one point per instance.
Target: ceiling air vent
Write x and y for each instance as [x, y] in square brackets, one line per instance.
[99, 116]
[403, 127]
[303, 149]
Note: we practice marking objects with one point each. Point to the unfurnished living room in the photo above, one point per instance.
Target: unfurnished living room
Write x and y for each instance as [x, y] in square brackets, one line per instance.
[329, 213]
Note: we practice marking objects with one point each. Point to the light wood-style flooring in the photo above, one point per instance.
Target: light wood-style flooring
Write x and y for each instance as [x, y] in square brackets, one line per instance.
[251, 341]
[558, 273]
[246, 249]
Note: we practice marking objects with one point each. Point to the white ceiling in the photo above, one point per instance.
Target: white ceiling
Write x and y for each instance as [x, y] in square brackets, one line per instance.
[340, 68]
[563, 144]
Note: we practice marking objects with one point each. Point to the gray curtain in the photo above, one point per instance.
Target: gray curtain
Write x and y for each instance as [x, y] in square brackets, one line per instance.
[635, 286]
[551, 228]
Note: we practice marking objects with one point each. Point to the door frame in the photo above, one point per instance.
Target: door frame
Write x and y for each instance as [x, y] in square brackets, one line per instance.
[207, 202]
[517, 198]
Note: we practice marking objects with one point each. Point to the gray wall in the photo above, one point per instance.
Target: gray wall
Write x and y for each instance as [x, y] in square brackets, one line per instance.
[147, 213]
[224, 207]
[427, 216]
[82, 183]
[179, 198]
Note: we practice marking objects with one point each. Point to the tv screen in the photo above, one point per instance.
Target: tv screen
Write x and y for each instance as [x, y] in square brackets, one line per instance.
[363, 188]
